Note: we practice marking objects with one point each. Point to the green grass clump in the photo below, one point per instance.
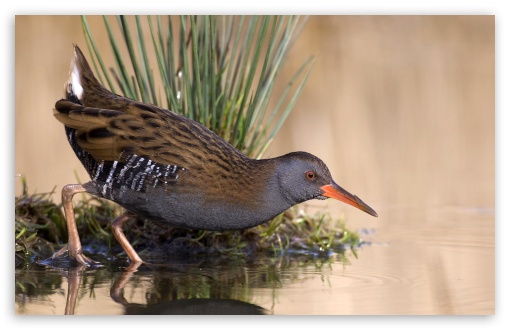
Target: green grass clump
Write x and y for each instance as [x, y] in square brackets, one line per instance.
[292, 232]
[39, 225]
[40, 230]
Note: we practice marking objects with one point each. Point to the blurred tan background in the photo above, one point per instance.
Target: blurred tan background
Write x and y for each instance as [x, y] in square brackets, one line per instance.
[401, 108]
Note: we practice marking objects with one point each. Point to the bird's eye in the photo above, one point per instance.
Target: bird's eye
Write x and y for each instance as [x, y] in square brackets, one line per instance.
[310, 175]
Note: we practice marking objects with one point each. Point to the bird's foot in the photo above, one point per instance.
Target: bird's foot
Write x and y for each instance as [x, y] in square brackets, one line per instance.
[75, 254]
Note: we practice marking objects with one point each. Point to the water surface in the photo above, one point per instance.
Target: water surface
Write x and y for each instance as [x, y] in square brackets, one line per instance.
[443, 266]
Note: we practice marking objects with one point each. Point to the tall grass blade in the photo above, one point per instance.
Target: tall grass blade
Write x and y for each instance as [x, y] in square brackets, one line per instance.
[92, 47]
[217, 70]
[145, 65]
[126, 86]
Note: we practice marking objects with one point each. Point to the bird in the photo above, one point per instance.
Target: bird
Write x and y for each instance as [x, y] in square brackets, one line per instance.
[165, 167]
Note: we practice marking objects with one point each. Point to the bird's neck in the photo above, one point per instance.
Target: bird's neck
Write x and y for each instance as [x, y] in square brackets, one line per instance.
[266, 186]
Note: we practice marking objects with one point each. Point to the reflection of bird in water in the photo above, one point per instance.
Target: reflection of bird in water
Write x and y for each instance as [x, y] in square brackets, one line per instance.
[163, 166]
[194, 306]
[74, 276]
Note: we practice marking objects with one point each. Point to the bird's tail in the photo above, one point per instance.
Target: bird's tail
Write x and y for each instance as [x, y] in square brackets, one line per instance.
[81, 79]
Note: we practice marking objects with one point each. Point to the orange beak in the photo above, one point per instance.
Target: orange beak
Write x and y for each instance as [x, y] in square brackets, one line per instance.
[335, 191]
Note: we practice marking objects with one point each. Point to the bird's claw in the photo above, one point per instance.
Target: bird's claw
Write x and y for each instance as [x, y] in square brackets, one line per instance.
[76, 255]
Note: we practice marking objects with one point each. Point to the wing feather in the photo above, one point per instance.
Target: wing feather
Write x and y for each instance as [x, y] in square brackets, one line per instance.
[114, 135]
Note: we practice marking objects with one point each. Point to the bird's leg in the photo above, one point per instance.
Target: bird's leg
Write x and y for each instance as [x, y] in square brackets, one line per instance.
[73, 247]
[121, 238]
[117, 290]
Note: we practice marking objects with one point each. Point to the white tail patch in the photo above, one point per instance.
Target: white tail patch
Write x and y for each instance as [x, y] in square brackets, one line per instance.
[73, 85]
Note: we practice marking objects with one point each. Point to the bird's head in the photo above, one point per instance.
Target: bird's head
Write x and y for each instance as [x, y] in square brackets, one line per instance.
[302, 176]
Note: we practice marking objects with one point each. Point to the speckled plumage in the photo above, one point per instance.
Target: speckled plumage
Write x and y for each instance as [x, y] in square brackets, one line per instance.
[166, 167]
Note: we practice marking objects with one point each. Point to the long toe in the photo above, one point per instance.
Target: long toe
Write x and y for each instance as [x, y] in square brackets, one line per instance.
[84, 260]
[60, 252]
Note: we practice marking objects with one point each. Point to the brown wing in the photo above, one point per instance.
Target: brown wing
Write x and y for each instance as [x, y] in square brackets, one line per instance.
[147, 131]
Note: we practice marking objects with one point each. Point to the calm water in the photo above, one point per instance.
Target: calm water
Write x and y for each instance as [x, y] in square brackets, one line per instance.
[443, 266]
